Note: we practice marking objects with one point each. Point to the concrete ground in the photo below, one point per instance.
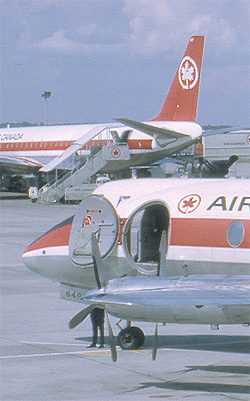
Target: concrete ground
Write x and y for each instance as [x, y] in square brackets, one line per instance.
[42, 360]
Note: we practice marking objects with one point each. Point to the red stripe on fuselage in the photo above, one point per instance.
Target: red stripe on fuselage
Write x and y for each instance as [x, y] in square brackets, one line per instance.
[184, 232]
[57, 237]
[205, 232]
[63, 145]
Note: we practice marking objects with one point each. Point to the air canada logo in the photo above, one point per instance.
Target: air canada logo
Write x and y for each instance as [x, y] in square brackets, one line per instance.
[115, 153]
[189, 203]
[188, 73]
[87, 221]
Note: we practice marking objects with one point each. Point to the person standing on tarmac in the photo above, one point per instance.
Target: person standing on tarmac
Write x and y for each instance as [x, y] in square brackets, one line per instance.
[97, 318]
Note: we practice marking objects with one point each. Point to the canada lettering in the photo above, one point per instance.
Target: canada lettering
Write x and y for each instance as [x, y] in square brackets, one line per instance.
[11, 137]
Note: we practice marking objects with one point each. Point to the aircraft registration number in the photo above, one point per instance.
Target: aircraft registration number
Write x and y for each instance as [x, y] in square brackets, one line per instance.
[73, 294]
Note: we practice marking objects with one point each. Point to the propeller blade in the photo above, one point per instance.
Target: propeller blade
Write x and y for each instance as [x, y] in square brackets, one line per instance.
[77, 319]
[112, 341]
[97, 261]
[155, 343]
[162, 253]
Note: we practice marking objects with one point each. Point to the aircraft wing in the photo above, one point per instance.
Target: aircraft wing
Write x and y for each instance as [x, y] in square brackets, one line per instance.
[77, 145]
[226, 130]
[208, 292]
[159, 133]
[18, 165]
[183, 298]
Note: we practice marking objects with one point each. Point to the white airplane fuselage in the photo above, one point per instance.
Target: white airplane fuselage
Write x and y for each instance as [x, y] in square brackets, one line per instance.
[45, 143]
[207, 224]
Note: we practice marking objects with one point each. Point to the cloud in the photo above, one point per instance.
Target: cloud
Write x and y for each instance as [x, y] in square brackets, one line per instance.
[157, 27]
[60, 43]
[158, 11]
[147, 25]
[87, 30]
[219, 30]
[146, 28]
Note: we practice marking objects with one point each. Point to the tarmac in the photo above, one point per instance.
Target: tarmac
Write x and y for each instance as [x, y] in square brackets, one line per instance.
[42, 360]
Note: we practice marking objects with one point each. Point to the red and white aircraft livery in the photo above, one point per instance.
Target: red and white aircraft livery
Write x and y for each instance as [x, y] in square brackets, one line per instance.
[172, 130]
[206, 221]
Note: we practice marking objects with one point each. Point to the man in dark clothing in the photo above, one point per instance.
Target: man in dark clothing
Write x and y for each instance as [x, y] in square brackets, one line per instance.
[97, 319]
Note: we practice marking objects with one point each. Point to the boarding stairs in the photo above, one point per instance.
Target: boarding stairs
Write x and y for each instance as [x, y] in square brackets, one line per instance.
[94, 163]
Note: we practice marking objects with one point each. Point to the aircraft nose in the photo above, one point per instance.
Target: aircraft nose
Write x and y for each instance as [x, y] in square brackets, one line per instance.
[40, 255]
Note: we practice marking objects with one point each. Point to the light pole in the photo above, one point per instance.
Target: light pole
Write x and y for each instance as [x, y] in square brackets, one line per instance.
[46, 95]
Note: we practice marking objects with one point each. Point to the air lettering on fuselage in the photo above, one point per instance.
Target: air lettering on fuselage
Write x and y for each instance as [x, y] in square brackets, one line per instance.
[234, 204]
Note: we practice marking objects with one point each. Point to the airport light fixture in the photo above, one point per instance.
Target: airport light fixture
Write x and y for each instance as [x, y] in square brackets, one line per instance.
[46, 96]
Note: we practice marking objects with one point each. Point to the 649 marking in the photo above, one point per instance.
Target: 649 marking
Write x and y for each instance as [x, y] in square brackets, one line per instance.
[74, 294]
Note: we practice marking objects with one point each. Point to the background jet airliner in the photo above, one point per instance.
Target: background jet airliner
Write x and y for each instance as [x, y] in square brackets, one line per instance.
[198, 300]
[172, 130]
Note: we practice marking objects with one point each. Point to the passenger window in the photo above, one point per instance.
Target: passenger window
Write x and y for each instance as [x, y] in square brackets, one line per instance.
[235, 233]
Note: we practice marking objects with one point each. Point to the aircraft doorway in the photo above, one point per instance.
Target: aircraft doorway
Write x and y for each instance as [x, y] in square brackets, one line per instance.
[142, 235]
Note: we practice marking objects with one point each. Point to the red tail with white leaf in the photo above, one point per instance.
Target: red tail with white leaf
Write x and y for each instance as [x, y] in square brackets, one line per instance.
[182, 98]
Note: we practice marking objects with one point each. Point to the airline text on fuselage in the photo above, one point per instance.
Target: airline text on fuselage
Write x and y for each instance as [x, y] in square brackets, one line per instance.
[11, 137]
[235, 203]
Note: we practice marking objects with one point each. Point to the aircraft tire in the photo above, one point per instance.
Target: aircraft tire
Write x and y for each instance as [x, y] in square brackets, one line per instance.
[131, 338]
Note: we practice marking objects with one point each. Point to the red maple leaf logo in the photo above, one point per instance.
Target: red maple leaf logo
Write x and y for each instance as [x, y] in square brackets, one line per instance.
[189, 203]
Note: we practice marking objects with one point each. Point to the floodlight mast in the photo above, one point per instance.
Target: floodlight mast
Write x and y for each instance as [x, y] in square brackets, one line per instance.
[46, 96]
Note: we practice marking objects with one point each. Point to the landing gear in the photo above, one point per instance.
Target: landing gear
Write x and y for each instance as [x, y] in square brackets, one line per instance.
[131, 338]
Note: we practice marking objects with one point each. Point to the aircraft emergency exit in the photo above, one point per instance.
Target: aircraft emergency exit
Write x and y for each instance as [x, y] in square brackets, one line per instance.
[171, 131]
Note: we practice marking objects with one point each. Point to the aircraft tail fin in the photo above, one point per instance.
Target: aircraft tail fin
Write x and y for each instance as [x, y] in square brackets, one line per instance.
[182, 98]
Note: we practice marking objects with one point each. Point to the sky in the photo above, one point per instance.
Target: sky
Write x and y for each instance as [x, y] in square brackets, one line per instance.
[103, 59]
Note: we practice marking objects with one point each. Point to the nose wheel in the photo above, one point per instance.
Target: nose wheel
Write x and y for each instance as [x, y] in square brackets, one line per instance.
[131, 338]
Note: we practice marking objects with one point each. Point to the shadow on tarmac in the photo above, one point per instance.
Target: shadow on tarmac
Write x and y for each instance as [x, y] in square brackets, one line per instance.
[222, 343]
[238, 370]
[196, 386]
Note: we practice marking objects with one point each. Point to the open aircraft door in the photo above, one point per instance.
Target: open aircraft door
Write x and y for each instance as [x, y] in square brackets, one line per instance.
[142, 235]
[95, 214]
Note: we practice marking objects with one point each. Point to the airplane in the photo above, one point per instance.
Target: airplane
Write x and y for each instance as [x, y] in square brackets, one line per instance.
[208, 299]
[207, 235]
[206, 220]
[171, 131]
